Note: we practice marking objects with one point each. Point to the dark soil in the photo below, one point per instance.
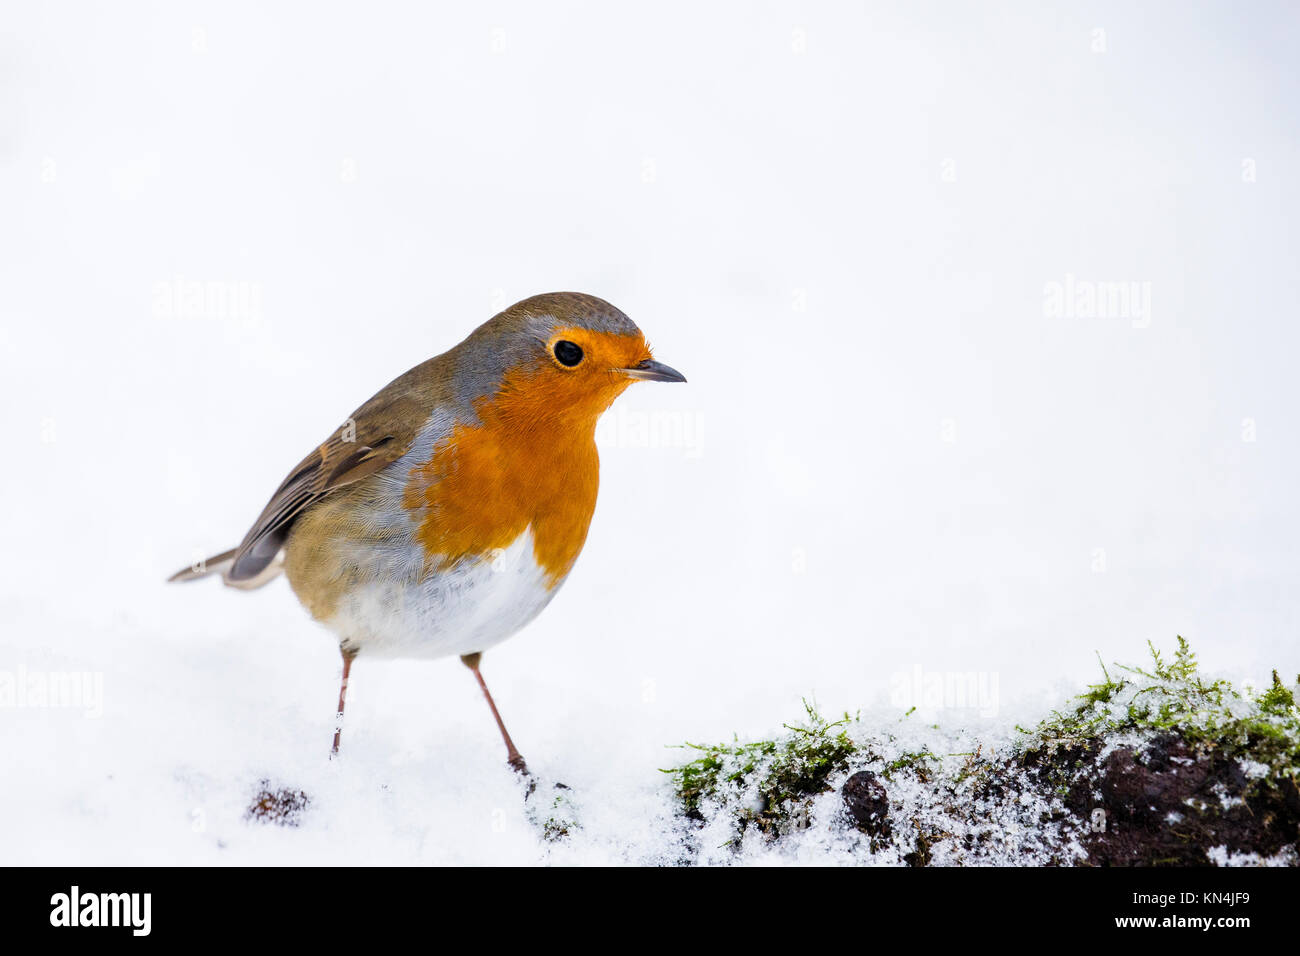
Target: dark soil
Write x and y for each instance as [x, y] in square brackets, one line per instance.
[1168, 804]
[283, 807]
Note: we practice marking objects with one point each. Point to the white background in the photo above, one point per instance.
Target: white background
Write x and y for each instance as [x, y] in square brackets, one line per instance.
[838, 220]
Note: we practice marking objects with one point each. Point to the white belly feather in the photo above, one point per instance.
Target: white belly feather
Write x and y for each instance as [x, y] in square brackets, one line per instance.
[463, 610]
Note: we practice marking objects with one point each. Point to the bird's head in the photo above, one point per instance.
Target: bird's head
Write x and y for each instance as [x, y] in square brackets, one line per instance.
[563, 356]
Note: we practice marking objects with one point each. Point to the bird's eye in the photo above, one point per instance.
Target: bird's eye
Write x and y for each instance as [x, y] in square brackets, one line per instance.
[568, 353]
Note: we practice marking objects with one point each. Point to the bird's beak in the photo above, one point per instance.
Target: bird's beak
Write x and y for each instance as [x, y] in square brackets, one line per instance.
[652, 371]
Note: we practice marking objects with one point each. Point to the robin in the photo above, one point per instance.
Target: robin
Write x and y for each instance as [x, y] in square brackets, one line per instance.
[445, 513]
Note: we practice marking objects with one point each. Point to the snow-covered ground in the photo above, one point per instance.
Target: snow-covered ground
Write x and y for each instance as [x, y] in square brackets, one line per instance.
[902, 457]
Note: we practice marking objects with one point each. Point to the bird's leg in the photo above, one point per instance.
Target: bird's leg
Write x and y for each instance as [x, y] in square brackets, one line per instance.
[513, 757]
[343, 693]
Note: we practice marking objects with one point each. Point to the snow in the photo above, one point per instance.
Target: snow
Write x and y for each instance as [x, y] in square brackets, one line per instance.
[1222, 856]
[224, 228]
[1254, 770]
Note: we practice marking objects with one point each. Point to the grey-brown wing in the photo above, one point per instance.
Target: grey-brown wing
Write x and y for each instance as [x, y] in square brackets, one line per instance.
[377, 434]
[333, 465]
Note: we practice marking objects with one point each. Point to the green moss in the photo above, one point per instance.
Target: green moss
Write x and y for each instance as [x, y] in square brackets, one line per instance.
[1171, 696]
[916, 761]
[780, 776]
[1277, 701]
[1035, 800]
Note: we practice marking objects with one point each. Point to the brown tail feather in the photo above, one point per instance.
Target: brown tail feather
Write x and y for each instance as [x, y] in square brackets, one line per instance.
[216, 564]
[220, 564]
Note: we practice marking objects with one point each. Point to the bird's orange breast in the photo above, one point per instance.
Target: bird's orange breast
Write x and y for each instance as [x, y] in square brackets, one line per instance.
[519, 467]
